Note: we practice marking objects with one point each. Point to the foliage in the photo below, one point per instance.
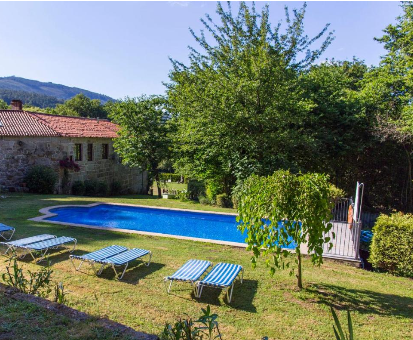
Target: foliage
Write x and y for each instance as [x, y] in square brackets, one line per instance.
[336, 193]
[41, 179]
[60, 293]
[223, 201]
[91, 187]
[80, 105]
[115, 188]
[204, 200]
[69, 164]
[78, 188]
[388, 91]
[3, 105]
[102, 189]
[391, 247]
[196, 189]
[285, 210]
[30, 99]
[338, 330]
[182, 195]
[144, 133]
[239, 107]
[37, 283]
[186, 329]
[165, 176]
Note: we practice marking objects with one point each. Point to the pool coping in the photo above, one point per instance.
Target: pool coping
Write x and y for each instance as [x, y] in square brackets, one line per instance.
[47, 213]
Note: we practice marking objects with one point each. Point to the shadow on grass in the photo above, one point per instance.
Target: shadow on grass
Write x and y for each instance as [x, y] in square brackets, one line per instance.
[242, 296]
[363, 300]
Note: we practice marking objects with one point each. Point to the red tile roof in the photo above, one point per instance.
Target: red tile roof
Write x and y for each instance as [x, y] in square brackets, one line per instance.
[24, 123]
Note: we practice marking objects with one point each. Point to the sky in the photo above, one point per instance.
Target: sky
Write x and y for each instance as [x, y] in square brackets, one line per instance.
[123, 48]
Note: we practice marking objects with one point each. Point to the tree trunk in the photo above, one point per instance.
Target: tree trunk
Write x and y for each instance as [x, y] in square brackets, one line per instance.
[158, 184]
[299, 270]
[409, 197]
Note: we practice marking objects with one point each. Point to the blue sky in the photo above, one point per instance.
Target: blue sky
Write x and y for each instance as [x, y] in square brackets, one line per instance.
[122, 48]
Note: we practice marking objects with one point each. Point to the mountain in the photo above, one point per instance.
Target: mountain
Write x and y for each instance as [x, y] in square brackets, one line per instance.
[39, 92]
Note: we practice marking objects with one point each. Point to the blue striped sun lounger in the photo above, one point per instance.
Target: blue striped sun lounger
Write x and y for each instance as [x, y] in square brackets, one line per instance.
[6, 232]
[111, 256]
[13, 245]
[222, 276]
[44, 246]
[190, 272]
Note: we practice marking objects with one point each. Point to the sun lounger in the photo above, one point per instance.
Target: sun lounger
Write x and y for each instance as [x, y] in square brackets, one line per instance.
[6, 230]
[111, 256]
[25, 241]
[222, 276]
[190, 272]
[43, 247]
[124, 258]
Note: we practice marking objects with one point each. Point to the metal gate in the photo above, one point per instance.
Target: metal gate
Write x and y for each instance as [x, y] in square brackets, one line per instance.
[345, 233]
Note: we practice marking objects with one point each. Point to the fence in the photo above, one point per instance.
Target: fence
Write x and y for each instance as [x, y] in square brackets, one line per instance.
[346, 242]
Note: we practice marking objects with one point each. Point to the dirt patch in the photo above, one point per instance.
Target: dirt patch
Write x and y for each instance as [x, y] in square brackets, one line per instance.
[74, 314]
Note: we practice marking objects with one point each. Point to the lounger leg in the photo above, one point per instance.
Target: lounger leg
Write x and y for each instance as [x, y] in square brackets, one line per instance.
[42, 255]
[229, 293]
[170, 285]
[100, 270]
[74, 247]
[123, 273]
[150, 258]
[199, 288]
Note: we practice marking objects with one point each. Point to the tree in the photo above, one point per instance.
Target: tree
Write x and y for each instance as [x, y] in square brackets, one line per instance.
[3, 105]
[144, 135]
[239, 106]
[81, 106]
[388, 91]
[285, 211]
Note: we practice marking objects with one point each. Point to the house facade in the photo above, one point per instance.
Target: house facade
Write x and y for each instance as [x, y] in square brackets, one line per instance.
[30, 138]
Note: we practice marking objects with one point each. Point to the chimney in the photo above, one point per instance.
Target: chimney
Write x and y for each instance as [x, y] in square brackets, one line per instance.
[16, 104]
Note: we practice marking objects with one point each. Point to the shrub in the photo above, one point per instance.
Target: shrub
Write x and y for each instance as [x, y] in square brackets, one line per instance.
[204, 200]
[223, 201]
[212, 190]
[195, 189]
[41, 179]
[78, 188]
[391, 248]
[102, 189]
[115, 188]
[91, 187]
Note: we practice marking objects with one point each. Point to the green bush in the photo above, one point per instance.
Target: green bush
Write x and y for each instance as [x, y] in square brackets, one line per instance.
[212, 190]
[204, 200]
[41, 179]
[78, 188]
[91, 187]
[165, 176]
[223, 201]
[195, 189]
[115, 188]
[391, 248]
[102, 189]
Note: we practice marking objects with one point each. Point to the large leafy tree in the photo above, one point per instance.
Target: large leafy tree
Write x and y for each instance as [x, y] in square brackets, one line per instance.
[81, 106]
[144, 135]
[388, 91]
[239, 107]
[284, 211]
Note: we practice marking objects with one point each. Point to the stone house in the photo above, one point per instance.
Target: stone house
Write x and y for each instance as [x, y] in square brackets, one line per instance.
[31, 138]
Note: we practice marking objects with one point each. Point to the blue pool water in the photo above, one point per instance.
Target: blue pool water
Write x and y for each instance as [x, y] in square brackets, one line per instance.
[183, 223]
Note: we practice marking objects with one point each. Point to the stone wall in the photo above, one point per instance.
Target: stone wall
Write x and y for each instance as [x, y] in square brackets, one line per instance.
[18, 154]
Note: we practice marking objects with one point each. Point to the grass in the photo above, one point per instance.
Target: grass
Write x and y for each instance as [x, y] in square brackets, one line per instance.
[381, 304]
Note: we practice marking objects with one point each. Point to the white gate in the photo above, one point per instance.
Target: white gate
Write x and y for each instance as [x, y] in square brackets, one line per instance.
[345, 233]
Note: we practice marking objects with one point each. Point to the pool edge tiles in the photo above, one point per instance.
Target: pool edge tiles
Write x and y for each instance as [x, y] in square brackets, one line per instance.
[47, 213]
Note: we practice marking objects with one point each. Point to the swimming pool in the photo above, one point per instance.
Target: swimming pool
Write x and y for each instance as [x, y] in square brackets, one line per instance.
[186, 224]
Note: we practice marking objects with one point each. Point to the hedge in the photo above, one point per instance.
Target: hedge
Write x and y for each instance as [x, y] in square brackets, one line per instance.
[41, 179]
[392, 245]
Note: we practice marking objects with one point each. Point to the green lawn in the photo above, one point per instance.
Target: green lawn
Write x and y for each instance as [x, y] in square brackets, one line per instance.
[382, 305]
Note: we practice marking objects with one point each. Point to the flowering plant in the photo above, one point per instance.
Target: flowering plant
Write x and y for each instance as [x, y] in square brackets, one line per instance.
[69, 164]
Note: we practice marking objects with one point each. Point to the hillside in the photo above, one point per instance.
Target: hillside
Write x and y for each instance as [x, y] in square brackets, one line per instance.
[50, 92]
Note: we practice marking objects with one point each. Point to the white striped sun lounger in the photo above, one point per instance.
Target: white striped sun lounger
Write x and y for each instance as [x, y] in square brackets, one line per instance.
[111, 256]
[190, 272]
[222, 276]
[25, 241]
[43, 247]
[124, 258]
[6, 232]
